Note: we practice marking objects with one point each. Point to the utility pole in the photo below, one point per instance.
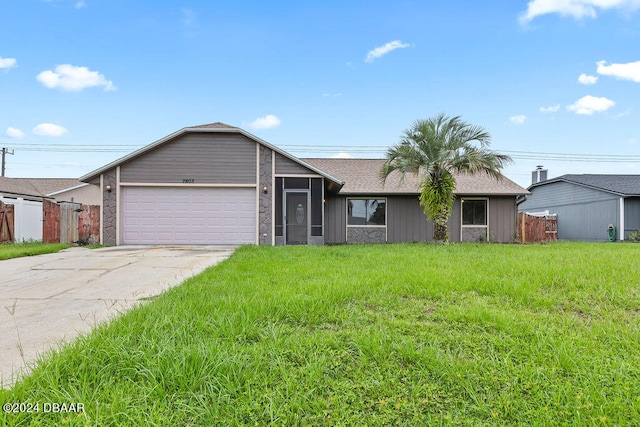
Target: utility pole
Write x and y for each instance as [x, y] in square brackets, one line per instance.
[5, 151]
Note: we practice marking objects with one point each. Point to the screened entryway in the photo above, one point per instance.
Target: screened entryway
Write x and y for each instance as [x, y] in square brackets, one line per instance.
[299, 211]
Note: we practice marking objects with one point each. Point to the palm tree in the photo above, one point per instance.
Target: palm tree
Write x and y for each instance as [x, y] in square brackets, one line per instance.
[435, 149]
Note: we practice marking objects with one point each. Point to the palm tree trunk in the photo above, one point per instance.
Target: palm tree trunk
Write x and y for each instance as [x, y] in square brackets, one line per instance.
[441, 230]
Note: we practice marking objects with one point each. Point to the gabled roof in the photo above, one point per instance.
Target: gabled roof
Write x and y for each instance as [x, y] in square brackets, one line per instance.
[216, 127]
[622, 185]
[361, 176]
[37, 187]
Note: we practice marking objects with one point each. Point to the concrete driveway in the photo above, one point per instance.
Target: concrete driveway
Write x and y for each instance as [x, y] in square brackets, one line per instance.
[51, 298]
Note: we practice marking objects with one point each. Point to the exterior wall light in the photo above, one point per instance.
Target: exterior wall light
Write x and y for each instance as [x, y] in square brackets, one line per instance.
[265, 189]
[108, 188]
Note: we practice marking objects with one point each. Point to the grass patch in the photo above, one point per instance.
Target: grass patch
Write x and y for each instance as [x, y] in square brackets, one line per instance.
[17, 250]
[366, 335]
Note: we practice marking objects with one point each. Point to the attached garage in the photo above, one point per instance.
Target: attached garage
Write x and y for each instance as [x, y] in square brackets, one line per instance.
[193, 215]
[211, 184]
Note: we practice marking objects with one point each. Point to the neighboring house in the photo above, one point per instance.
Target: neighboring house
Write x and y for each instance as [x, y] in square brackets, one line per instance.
[80, 192]
[587, 204]
[27, 194]
[218, 184]
[27, 202]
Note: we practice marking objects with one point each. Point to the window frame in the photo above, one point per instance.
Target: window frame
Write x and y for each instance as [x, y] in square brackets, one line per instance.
[463, 225]
[366, 225]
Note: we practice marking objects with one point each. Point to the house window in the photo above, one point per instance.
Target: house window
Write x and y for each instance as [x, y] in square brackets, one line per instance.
[367, 212]
[474, 212]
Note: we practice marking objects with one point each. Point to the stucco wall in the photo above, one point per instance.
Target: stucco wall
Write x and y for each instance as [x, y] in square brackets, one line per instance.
[86, 195]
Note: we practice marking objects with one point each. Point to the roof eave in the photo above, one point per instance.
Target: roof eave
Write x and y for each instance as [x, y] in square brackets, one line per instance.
[570, 181]
[399, 193]
[84, 184]
[12, 194]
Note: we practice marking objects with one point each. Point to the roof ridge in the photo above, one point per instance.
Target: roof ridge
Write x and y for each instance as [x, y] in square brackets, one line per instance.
[215, 125]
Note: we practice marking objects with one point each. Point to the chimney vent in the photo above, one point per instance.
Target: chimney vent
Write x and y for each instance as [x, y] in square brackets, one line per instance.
[539, 175]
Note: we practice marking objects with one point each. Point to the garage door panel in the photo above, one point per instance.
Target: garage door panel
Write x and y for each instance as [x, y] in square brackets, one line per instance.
[166, 215]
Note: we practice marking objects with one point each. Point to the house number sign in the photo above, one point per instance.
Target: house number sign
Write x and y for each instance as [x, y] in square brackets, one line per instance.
[188, 181]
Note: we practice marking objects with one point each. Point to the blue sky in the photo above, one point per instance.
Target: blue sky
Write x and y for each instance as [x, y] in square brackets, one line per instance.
[555, 82]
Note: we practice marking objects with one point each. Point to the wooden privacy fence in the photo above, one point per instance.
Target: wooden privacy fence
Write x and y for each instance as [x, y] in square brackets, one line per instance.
[6, 223]
[70, 223]
[537, 228]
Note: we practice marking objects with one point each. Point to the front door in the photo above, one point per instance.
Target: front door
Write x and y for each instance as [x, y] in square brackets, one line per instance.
[296, 217]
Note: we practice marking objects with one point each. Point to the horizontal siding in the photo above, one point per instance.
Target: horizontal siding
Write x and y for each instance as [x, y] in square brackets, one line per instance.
[587, 221]
[202, 157]
[285, 166]
[561, 194]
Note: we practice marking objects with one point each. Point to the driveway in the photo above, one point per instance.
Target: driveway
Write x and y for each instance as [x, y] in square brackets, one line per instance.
[51, 298]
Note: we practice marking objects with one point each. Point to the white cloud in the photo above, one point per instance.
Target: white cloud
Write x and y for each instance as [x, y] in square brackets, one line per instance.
[266, 122]
[628, 71]
[518, 119]
[587, 80]
[342, 155]
[188, 17]
[623, 114]
[383, 50]
[71, 78]
[591, 104]
[551, 109]
[577, 9]
[14, 133]
[78, 4]
[49, 129]
[7, 62]
[331, 95]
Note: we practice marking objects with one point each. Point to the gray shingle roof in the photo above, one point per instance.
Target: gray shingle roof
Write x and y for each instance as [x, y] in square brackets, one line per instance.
[216, 125]
[624, 185]
[38, 187]
[361, 177]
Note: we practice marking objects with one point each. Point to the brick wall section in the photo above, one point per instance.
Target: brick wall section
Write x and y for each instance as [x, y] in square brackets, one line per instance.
[109, 202]
[265, 200]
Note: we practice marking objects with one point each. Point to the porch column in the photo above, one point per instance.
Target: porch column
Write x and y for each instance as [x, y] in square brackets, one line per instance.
[621, 228]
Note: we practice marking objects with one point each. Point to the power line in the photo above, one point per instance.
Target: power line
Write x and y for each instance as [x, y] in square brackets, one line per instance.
[303, 149]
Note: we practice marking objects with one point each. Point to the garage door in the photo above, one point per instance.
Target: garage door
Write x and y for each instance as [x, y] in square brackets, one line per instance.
[196, 216]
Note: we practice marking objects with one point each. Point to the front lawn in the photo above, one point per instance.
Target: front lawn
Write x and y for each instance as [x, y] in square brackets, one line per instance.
[366, 335]
[17, 250]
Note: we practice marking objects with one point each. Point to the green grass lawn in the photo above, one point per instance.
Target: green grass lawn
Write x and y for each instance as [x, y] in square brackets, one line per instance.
[461, 334]
[17, 250]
